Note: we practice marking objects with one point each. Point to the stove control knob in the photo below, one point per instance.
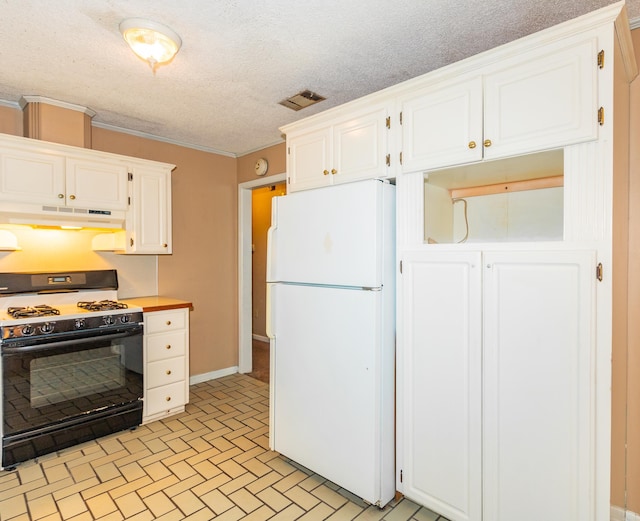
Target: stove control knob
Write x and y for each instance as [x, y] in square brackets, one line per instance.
[47, 327]
[109, 320]
[80, 323]
[27, 330]
[125, 318]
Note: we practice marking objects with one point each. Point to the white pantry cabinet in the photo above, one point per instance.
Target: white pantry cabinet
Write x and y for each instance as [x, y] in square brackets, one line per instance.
[506, 342]
[166, 361]
[148, 224]
[53, 178]
[351, 147]
[497, 378]
[542, 99]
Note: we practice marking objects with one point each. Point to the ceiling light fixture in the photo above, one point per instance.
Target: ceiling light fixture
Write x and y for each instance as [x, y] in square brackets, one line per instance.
[153, 42]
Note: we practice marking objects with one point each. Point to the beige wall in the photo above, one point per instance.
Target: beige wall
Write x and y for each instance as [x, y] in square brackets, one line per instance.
[260, 222]
[10, 121]
[275, 155]
[633, 354]
[203, 266]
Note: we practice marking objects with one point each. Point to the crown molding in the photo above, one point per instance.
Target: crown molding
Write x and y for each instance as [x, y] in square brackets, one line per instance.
[25, 100]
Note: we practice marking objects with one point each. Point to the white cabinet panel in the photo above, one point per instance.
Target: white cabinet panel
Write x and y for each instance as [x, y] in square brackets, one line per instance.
[309, 159]
[497, 410]
[540, 100]
[442, 126]
[440, 410]
[545, 102]
[96, 184]
[32, 177]
[149, 227]
[538, 385]
[354, 146]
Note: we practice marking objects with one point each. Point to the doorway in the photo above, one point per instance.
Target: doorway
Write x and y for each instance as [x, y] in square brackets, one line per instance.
[245, 265]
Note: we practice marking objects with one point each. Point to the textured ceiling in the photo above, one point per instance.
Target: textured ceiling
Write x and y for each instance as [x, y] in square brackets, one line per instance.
[241, 57]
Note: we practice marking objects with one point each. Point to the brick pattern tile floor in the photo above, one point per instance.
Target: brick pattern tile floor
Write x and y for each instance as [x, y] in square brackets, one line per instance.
[211, 462]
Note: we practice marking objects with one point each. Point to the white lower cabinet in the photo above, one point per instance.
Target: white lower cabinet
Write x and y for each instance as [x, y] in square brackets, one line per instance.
[166, 378]
[496, 415]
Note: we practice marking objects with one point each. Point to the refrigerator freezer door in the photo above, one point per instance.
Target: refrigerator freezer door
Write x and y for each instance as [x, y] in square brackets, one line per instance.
[336, 235]
[332, 386]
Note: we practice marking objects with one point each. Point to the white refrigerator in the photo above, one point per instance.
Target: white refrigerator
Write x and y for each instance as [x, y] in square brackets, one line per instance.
[331, 324]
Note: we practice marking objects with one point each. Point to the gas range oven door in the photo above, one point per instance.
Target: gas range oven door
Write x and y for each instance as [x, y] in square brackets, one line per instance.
[59, 392]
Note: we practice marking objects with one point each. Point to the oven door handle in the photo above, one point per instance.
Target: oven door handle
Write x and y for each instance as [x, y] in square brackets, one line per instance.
[9, 350]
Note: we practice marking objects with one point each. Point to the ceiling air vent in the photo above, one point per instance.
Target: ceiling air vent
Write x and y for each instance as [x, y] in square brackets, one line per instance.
[301, 100]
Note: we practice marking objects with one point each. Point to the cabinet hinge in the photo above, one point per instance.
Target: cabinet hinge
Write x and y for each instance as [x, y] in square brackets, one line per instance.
[601, 116]
[131, 242]
[129, 200]
[601, 59]
[599, 272]
[288, 180]
[401, 118]
[289, 150]
[400, 157]
[388, 121]
[400, 266]
[400, 476]
[388, 159]
[130, 176]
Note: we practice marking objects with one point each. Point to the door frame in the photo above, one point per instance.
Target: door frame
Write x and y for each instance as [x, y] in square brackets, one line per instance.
[245, 265]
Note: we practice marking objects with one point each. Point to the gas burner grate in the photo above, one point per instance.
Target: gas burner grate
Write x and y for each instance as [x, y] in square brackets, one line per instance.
[102, 305]
[35, 311]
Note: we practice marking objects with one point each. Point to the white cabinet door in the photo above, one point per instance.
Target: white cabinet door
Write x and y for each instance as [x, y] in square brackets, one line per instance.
[96, 184]
[536, 102]
[32, 177]
[442, 126]
[538, 386]
[360, 147]
[309, 159]
[149, 229]
[353, 147]
[542, 102]
[439, 377]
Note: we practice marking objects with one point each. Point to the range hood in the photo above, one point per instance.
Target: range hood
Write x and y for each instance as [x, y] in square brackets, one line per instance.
[45, 215]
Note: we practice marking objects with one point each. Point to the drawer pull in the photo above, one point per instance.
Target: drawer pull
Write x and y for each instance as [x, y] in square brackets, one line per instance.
[168, 371]
[168, 398]
[168, 346]
[168, 322]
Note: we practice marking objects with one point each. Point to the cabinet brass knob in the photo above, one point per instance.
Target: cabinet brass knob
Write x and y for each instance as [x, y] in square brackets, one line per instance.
[168, 346]
[60, 196]
[487, 142]
[165, 245]
[325, 172]
[472, 144]
[72, 197]
[168, 322]
[334, 171]
[168, 371]
[168, 398]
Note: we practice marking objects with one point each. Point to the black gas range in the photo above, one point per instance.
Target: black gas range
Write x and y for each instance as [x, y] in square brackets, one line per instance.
[71, 357]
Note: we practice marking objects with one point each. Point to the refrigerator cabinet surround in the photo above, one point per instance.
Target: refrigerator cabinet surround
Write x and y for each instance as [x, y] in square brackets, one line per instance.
[331, 322]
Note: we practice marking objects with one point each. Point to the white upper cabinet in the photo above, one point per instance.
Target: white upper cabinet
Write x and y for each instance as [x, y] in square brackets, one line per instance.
[96, 184]
[541, 99]
[149, 226]
[546, 100]
[351, 147]
[442, 125]
[32, 177]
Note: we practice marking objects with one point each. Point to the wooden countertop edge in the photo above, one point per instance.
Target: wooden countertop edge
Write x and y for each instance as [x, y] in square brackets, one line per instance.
[151, 304]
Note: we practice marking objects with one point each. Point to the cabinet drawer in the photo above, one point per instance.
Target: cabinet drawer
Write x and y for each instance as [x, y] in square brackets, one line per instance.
[165, 398]
[160, 321]
[169, 345]
[165, 372]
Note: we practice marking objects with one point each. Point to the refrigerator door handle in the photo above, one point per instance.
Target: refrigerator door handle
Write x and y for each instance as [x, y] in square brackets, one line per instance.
[269, 310]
